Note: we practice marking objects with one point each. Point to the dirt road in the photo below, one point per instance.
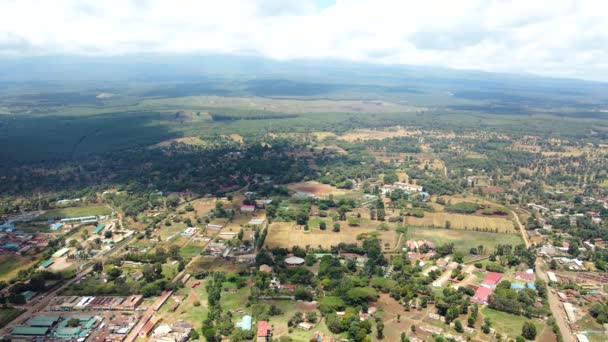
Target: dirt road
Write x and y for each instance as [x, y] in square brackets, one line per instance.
[556, 306]
[554, 303]
[522, 229]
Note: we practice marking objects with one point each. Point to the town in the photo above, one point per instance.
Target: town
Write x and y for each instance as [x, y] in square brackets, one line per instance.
[390, 245]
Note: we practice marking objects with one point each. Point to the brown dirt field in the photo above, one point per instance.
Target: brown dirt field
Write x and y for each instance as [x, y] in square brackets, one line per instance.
[185, 140]
[285, 234]
[547, 335]
[202, 206]
[236, 137]
[368, 134]
[323, 135]
[388, 309]
[62, 264]
[315, 188]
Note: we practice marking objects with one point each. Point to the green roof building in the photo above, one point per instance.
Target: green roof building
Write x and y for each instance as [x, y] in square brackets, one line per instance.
[28, 295]
[70, 332]
[42, 321]
[47, 263]
[30, 331]
[98, 228]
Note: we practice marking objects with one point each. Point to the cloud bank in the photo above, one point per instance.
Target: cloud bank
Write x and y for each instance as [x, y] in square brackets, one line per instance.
[564, 38]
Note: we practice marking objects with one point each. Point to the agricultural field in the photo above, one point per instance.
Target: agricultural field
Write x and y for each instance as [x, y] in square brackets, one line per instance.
[316, 189]
[368, 134]
[92, 210]
[463, 240]
[464, 222]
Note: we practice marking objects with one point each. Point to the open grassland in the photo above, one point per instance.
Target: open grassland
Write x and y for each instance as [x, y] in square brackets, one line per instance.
[508, 324]
[468, 198]
[463, 240]
[11, 264]
[465, 222]
[285, 234]
[92, 210]
[283, 105]
[8, 314]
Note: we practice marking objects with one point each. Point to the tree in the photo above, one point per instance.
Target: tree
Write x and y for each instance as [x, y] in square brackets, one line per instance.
[322, 225]
[380, 329]
[553, 264]
[452, 314]
[486, 326]
[114, 273]
[458, 326]
[336, 227]
[73, 322]
[311, 317]
[528, 330]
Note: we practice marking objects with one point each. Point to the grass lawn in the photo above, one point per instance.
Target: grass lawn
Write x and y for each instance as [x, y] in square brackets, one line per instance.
[10, 264]
[191, 251]
[187, 311]
[464, 222]
[9, 314]
[463, 240]
[92, 210]
[509, 324]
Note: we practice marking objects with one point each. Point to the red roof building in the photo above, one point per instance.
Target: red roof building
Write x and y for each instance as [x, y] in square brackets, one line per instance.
[525, 276]
[263, 328]
[491, 279]
[248, 207]
[481, 295]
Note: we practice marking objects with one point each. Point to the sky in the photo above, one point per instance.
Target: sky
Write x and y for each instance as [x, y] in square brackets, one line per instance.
[561, 38]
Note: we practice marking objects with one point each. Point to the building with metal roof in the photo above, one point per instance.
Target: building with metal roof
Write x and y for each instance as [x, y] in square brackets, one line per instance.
[99, 228]
[30, 331]
[294, 261]
[61, 252]
[47, 263]
[42, 321]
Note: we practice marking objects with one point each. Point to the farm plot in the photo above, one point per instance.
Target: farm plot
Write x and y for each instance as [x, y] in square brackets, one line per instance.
[285, 234]
[463, 240]
[316, 189]
[465, 222]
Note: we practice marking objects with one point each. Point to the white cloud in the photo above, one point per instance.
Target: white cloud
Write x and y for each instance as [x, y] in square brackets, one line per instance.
[549, 37]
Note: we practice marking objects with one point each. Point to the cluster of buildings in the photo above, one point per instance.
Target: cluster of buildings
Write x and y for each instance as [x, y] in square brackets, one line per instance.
[407, 187]
[420, 244]
[177, 332]
[89, 303]
[482, 293]
[75, 327]
[19, 242]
